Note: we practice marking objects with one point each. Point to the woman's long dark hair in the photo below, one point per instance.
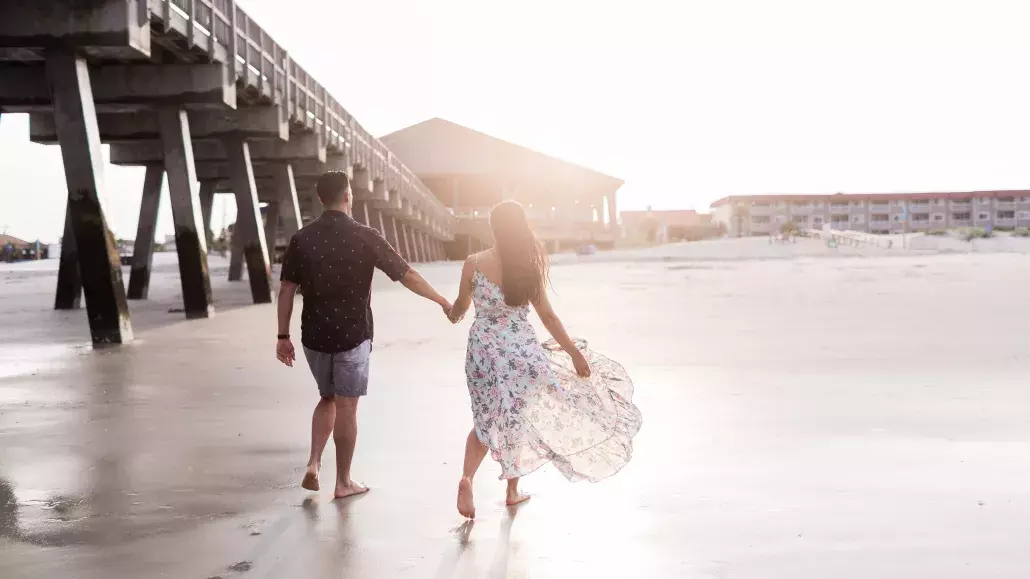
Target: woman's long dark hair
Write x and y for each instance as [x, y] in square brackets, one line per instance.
[523, 259]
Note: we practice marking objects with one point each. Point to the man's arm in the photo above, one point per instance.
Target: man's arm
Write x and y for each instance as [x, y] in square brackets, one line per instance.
[284, 350]
[393, 265]
[418, 285]
[284, 307]
[464, 300]
[289, 282]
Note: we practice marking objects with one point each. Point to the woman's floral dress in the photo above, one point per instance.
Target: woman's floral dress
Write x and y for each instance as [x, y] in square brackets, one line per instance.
[530, 407]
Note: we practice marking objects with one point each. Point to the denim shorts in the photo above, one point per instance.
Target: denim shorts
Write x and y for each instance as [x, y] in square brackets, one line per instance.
[341, 373]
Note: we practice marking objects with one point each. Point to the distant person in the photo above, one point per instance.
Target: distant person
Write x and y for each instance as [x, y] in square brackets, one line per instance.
[332, 260]
[532, 403]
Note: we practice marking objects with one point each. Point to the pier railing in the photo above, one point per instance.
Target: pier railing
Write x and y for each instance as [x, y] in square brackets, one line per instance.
[265, 69]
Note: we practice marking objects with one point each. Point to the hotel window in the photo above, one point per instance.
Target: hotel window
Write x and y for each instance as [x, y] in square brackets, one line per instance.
[938, 217]
[920, 217]
[1006, 199]
[800, 219]
[757, 219]
[983, 216]
[879, 217]
[1024, 214]
[1006, 215]
[961, 216]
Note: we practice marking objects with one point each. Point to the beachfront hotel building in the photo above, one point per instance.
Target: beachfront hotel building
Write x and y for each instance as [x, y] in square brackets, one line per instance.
[568, 205]
[882, 213]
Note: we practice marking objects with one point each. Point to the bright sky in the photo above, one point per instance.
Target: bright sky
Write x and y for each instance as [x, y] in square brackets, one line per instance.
[687, 100]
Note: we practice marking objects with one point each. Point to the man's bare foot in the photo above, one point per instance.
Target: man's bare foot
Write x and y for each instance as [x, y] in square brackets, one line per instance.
[310, 481]
[512, 499]
[348, 489]
[466, 504]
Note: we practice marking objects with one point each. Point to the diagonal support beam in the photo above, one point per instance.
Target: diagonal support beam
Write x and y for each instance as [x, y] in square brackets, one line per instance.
[289, 203]
[190, 239]
[248, 220]
[143, 250]
[207, 200]
[99, 264]
[271, 227]
[69, 284]
[391, 234]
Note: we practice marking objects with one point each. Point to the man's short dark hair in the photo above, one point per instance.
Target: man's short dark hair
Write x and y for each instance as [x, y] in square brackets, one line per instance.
[332, 188]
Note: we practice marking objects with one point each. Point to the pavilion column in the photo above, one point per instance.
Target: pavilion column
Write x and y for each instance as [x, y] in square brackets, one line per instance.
[190, 236]
[69, 284]
[99, 264]
[247, 233]
[613, 214]
[143, 249]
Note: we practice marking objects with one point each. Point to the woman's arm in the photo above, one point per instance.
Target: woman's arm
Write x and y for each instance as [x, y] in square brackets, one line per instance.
[557, 330]
[461, 305]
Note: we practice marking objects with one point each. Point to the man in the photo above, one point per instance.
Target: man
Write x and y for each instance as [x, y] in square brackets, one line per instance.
[332, 261]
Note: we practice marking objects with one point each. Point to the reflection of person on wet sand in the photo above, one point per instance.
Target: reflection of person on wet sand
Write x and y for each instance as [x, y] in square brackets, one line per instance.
[332, 261]
[533, 405]
[8, 510]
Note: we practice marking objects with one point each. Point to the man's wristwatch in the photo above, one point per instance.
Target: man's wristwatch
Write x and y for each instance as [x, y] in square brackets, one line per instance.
[283, 337]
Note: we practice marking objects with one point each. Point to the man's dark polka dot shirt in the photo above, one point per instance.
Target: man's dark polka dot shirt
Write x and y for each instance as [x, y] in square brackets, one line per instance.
[333, 260]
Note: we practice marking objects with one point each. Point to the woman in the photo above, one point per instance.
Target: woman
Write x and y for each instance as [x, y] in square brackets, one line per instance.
[533, 404]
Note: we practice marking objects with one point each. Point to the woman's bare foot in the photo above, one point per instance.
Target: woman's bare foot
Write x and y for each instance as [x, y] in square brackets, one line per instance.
[466, 504]
[513, 496]
[310, 481]
[513, 499]
[348, 489]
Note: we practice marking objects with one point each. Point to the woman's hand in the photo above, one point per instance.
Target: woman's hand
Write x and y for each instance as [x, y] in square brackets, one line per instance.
[581, 364]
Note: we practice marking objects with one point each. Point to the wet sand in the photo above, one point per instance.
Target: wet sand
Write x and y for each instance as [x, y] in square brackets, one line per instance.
[820, 415]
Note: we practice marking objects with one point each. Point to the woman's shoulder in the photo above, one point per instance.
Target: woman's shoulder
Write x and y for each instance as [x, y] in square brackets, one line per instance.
[478, 259]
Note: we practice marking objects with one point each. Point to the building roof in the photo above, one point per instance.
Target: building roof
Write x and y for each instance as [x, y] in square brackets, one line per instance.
[5, 239]
[440, 147]
[844, 197]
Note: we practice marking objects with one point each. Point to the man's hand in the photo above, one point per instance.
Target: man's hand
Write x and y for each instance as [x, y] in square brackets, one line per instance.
[446, 307]
[284, 352]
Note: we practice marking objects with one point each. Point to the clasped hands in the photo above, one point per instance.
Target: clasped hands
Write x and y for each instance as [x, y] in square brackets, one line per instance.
[448, 310]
